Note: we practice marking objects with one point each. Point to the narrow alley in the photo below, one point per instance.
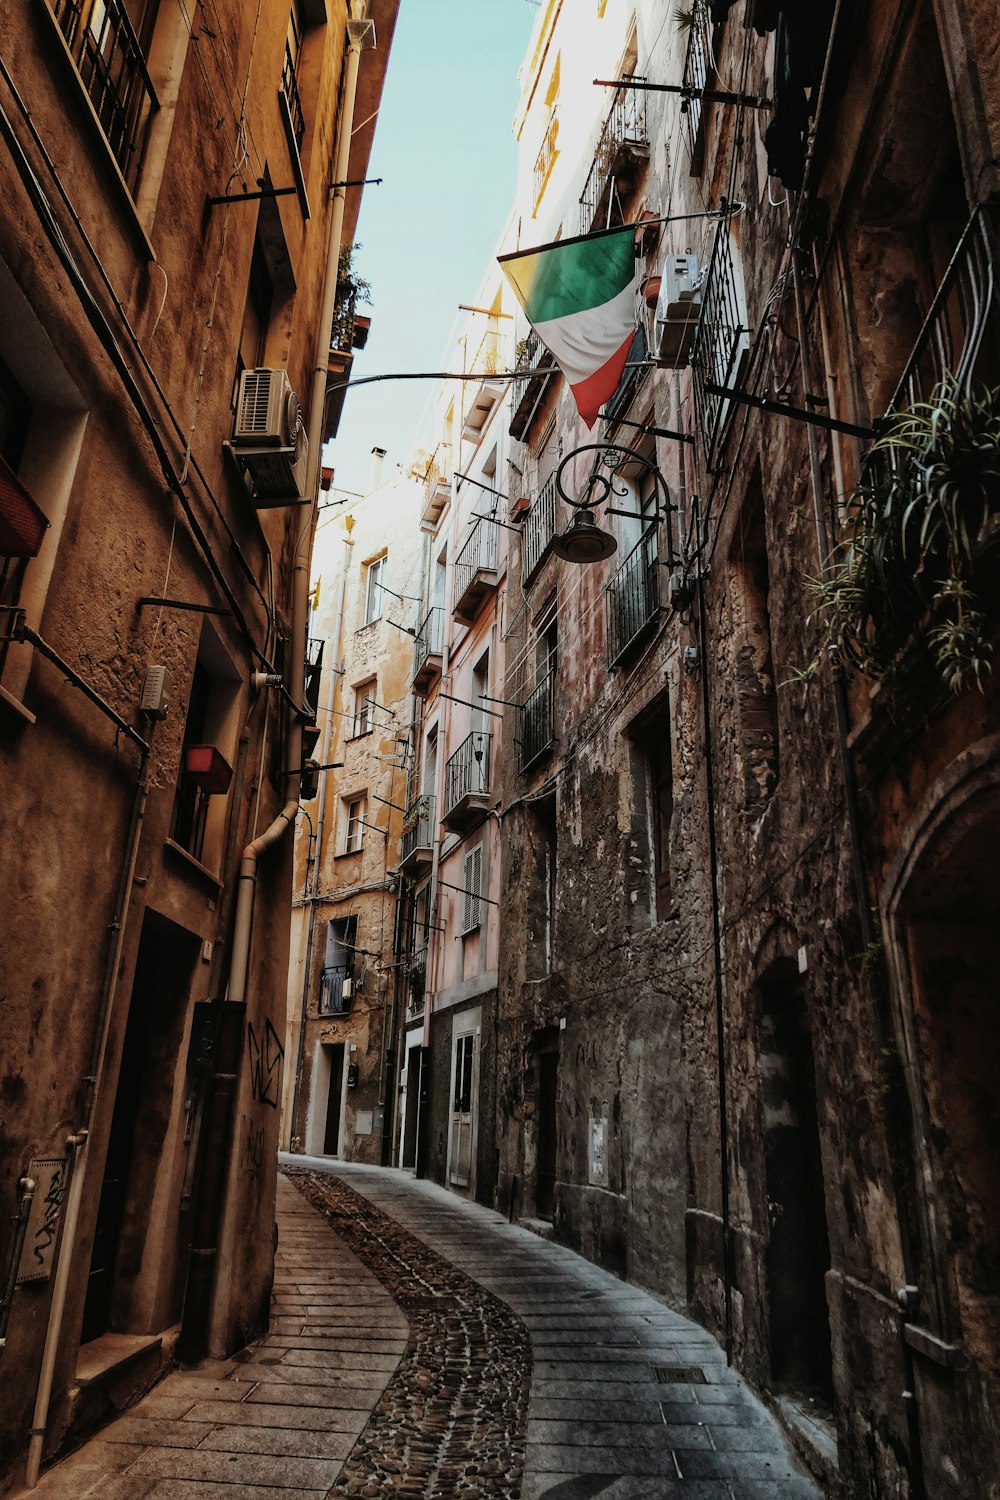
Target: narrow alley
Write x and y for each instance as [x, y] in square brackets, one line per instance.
[422, 1346]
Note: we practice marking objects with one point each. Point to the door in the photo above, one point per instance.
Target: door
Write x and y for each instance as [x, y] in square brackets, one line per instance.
[411, 1107]
[545, 1160]
[462, 1111]
[334, 1100]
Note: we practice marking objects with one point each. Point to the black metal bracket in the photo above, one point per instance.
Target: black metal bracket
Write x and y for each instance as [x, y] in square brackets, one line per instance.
[688, 92]
[271, 192]
[201, 609]
[779, 409]
[665, 432]
[354, 182]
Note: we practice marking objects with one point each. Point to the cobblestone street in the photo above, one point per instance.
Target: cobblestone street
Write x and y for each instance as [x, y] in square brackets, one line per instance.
[422, 1346]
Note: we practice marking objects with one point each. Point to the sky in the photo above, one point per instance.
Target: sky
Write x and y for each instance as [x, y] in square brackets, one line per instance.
[447, 155]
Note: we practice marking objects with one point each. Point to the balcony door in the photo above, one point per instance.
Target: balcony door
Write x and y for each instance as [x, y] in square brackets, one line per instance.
[464, 1113]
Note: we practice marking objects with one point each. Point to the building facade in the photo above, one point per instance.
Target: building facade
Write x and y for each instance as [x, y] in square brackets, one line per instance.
[340, 1095]
[169, 239]
[744, 771]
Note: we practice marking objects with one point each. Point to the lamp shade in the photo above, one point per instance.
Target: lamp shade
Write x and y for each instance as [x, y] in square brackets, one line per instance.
[583, 541]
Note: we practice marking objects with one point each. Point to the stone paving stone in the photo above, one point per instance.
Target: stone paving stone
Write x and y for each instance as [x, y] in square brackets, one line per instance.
[186, 1489]
[621, 1487]
[234, 1468]
[309, 1418]
[347, 1397]
[163, 1408]
[160, 1434]
[296, 1442]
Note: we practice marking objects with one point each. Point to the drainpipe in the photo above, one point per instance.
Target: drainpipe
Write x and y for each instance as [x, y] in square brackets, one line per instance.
[720, 1010]
[360, 36]
[27, 1187]
[312, 887]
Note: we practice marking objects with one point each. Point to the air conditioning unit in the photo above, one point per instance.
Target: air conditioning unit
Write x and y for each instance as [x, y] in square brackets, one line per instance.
[678, 309]
[269, 438]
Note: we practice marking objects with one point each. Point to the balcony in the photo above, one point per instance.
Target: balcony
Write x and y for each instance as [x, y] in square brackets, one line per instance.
[332, 1000]
[636, 374]
[467, 782]
[538, 722]
[110, 61]
[417, 847]
[476, 576]
[428, 646]
[538, 531]
[545, 160]
[721, 341]
[490, 362]
[695, 76]
[438, 486]
[530, 386]
[621, 151]
[633, 598]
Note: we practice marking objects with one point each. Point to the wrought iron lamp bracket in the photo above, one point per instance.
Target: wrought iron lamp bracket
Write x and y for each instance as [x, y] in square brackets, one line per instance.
[600, 486]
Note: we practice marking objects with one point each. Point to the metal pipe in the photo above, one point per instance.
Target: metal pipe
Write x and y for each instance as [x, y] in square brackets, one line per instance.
[720, 1011]
[22, 632]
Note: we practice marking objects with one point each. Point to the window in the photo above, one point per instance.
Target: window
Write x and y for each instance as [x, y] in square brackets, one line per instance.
[374, 590]
[354, 824]
[290, 79]
[256, 317]
[541, 828]
[364, 696]
[212, 719]
[338, 966]
[464, 1057]
[472, 883]
[753, 666]
[647, 866]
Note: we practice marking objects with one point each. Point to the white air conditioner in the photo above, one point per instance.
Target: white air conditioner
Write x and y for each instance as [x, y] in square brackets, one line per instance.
[269, 439]
[678, 309]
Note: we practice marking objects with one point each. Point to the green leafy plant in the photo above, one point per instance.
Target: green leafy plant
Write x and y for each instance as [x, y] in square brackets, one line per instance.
[914, 540]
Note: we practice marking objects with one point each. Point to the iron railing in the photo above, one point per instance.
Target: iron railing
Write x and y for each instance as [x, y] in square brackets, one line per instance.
[467, 772]
[290, 87]
[632, 380]
[720, 340]
[488, 359]
[110, 60]
[314, 672]
[530, 385]
[624, 131]
[539, 529]
[429, 639]
[479, 554]
[332, 1000]
[633, 596]
[695, 77]
[418, 827]
[546, 156]
[538, 720]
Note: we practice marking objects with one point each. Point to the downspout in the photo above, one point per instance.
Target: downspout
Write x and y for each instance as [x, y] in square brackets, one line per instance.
[312, 889]
[720, 1010]
[360, 35]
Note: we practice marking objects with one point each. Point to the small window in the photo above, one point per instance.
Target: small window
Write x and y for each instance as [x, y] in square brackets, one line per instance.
[212, 720]
[338, 966]
[464, 1058]
[354, 824]
[256, 317]
[472, 884]
[374, 590]
[648, 867]
[364, 697]
[290, 76]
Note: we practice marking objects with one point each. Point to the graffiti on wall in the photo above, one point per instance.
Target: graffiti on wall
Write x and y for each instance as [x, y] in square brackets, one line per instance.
[266, 1058]
[251, 1146]
[46, 1206]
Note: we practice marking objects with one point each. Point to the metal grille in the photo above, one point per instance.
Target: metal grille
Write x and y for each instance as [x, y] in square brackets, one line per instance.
[539, 529]
[529, 387]
[489, 356]
[538, 721]
[546, 156]
[290, 87]
[467, 772]
[418, 826]
[478, 555]
[255, 402]
[624, 130]
[429, 638]
[720, 341]
[633, 597]
[110, 60]
[696, 64]
[678, 1375]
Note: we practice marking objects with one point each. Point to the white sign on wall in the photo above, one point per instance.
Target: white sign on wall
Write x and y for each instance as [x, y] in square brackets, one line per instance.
[49, 1176]
[598, 1163]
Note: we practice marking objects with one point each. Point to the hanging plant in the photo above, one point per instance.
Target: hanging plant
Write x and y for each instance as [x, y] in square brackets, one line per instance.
[915, 537]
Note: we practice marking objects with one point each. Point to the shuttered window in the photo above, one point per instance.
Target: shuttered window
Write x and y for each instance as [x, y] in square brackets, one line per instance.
[473, 885]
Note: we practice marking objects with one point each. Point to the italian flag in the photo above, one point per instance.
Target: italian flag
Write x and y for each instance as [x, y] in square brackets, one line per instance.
[579, 297]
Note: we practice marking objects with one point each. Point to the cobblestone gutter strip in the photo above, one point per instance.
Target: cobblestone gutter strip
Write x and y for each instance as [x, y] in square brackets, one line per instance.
[451, 1422]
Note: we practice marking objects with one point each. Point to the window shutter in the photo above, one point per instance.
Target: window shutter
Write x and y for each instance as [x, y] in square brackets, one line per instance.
[473, 887]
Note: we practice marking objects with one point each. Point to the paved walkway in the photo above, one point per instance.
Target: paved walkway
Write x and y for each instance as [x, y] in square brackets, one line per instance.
[626, 1400]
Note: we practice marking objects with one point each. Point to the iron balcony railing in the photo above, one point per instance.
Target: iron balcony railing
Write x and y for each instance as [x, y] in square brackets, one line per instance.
[695, 77]
[633, 380]
[332, 1000]
[290, 86]
[530, 385]
[489, 358]
[429, 639]
[546, 156]
[624, 134]
[110, 60]
[538, 721]
[539, 529]
[418, 827]
[633, 597]
[467, 772]
[314, 672]
[479, 554]
[720, 341]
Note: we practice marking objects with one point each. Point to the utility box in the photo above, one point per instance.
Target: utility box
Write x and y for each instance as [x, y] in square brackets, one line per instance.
[156, 690]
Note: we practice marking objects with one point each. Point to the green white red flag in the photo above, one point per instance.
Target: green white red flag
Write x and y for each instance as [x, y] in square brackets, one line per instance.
[579, 297]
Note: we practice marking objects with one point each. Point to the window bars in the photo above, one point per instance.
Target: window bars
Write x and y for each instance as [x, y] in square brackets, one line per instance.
[538, 530]
[538, 721]
[633, 597]
[110, 60]
[720, 341]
